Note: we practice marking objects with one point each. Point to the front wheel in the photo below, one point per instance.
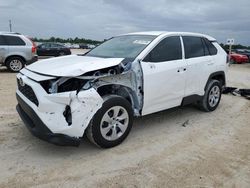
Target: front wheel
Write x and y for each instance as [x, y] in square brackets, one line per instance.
[112, 123]
[212, 96]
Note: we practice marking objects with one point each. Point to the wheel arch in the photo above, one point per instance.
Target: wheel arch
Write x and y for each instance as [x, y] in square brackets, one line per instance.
[219, 75]
[11, 56]
[122, 91]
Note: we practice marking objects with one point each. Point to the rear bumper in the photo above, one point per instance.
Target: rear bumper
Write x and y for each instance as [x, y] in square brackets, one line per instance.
[39, 129]
[34, 59]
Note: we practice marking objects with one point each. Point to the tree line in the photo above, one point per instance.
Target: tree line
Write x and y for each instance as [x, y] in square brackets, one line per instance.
[237, 46]
[75, 40]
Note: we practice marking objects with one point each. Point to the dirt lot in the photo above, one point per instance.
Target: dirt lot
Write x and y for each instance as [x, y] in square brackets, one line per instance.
[212, 150]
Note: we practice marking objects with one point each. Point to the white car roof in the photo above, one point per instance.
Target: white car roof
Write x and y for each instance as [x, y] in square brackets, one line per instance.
[166, 33]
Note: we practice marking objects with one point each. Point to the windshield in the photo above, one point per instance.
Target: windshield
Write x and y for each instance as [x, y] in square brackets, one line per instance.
[128, 46]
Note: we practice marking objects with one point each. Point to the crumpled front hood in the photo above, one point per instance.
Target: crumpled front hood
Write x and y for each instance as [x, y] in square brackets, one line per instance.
[72, 65]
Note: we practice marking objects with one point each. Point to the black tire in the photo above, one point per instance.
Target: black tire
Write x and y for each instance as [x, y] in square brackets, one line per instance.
[14, 64]
[205, 103]
[94, 129]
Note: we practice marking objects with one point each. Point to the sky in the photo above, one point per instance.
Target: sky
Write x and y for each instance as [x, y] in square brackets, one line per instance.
[102, 19]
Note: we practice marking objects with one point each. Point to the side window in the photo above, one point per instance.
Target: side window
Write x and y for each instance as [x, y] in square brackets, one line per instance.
[47, 45]
[2, 41]
[54, 45]
[168, 49]
[211, 47]
[193, 46]
[206, 51]
[14, 41]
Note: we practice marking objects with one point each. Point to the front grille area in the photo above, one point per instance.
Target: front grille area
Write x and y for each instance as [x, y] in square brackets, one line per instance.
[28, 92]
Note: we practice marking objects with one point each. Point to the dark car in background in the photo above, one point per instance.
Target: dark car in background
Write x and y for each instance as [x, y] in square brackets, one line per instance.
[52, 49]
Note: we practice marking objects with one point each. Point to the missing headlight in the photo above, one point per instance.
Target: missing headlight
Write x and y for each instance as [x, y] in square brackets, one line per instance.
[63, 85]
[71, 85]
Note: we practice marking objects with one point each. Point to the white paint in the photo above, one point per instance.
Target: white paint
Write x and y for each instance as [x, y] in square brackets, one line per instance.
[72, 65]
[164, 84]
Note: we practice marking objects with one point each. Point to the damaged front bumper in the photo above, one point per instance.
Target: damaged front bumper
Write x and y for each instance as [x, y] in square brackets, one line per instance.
[39, 129]
[46, 116]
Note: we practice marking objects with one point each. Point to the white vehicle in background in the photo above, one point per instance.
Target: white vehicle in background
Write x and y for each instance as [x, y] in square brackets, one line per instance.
[136, 74]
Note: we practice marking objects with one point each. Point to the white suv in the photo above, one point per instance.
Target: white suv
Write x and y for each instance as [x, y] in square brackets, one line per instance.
[16, 51]
[136, 74]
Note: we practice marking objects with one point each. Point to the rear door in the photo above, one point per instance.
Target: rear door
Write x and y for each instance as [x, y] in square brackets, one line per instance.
[4, 48]
[17, 46]
[164, 75]
[44, 50]
[200, 64]
[55, 49]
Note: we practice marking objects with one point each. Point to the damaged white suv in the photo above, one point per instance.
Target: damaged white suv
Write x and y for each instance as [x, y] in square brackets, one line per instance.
[136, 74]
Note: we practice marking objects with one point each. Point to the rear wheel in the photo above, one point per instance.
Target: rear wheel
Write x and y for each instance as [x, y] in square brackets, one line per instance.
[15, 64]
[212, 96]
[112, 123]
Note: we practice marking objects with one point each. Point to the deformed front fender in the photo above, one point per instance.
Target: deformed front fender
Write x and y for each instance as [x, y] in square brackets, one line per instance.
[84, 105]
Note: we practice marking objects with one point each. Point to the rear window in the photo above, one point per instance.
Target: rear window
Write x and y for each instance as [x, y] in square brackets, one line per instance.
[211, 48]
[193, 47]
[14, 41]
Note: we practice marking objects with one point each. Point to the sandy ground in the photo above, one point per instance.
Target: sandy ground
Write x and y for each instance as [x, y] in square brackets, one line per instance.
[212, 150]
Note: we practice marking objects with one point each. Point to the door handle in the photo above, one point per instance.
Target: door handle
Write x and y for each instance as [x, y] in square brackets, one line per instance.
[210, 62]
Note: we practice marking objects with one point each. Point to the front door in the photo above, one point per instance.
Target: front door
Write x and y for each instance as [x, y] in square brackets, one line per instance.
[164, 75]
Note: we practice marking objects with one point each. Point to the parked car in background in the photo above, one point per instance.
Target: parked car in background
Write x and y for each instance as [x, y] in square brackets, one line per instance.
[238, 58]
[83, 46]
[132, 75]
[16, 51]
[243, 52]
[52, 49]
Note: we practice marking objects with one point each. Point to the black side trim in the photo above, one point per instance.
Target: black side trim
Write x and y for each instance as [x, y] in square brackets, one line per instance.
[39, 129]
[190, 99]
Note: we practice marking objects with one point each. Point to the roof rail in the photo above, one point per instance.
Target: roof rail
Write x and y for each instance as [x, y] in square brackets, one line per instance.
[8, 32]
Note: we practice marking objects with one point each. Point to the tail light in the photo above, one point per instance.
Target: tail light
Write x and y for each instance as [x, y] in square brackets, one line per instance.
[33, 49]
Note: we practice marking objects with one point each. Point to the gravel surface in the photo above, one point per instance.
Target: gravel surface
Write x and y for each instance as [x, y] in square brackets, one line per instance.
[181, 147]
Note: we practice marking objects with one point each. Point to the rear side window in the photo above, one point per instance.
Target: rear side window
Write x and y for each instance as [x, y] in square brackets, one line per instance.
[167, 50]
[14, 41]
[2, 41]
[193, 46]
[210, 46]
[206, 51]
